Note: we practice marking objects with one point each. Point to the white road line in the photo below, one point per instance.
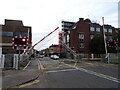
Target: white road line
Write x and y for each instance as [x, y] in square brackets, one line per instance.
[38, 65]
[60, 70]
[96, 74]
[99, 74]
[26, 65]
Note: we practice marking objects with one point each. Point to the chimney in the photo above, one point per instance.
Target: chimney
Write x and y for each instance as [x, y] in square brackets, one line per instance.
[81, 19]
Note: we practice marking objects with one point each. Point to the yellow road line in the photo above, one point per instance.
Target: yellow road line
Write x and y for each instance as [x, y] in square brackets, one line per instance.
[28, 84]
[41, 66]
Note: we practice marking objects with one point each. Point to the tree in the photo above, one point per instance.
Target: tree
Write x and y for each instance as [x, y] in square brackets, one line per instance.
[117, 37]
[97, 45]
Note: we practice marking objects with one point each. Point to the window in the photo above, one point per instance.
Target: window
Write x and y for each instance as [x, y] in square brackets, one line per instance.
[98, 29]
[92, 29]
[107, 37]
[68, 38]
[82, 45]
[81, 36]
[105, 30]
[91, 36]
[110, 38]
[116, 31]
[23, 34]
[7, 33]
[110, 30]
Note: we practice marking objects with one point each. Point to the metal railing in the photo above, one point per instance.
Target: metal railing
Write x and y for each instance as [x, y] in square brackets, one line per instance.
[12, 61]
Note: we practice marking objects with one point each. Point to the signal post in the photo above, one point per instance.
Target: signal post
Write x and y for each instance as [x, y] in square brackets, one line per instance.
[19, 43]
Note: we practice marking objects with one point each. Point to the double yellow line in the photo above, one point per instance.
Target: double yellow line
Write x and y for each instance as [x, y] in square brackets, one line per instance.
[40, 65]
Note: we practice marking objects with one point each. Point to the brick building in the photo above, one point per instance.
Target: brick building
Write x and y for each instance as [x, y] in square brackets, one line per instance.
[79, 36]
[13, 28]
[53, 49]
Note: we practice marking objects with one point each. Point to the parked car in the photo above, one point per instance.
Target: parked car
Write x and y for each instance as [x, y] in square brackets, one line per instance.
[54, 57]
[40, 56]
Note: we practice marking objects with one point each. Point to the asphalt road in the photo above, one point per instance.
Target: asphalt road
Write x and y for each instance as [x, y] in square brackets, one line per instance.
[64, 74]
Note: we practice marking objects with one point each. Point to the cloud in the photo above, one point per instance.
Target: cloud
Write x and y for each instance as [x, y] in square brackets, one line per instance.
[45, 15]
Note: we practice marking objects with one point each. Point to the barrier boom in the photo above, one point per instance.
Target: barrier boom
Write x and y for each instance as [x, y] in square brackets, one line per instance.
[40, 41]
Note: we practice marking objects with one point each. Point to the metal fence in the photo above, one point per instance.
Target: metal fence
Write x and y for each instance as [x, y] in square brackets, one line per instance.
[2, 60]
[11, 61]
[112, 57]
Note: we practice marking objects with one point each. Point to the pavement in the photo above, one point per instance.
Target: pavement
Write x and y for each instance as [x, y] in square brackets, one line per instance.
[18, 77]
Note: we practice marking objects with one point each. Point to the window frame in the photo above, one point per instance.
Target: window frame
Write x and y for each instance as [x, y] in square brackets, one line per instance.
[92, 29]
[7, 34]
[110, 30]
[82, 45]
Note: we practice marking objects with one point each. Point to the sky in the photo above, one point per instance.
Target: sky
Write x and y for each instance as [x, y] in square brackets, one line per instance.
[45, 15]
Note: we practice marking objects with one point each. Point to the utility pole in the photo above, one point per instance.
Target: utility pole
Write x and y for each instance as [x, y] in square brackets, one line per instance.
[107, 55]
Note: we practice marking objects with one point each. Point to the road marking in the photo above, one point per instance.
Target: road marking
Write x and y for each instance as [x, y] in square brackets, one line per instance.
[41, 66]
[99, 74]
[26, 65]
[28, 84]
[96, 74]
[60, 70]
[38, 65]
[90, 64]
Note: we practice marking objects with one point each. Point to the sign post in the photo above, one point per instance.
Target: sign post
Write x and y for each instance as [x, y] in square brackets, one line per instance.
[19, 43]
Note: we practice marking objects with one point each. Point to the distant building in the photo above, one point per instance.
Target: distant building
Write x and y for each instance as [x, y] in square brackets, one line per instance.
[13, 28]
[81, 33]
[53, 49]
[66, 27]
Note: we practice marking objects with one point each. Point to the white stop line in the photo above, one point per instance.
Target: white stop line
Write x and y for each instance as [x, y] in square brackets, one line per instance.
[95, 73]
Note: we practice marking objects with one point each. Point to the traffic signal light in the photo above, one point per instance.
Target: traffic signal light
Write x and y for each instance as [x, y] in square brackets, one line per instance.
[112, 43]
[20, 41]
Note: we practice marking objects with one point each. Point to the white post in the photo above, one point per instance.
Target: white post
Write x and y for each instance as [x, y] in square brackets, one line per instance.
[15, 64]
[108, 57]
[92, 56]
[105, 39]
[3, 59]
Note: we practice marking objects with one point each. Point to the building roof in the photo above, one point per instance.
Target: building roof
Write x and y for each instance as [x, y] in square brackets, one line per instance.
[9, 22]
